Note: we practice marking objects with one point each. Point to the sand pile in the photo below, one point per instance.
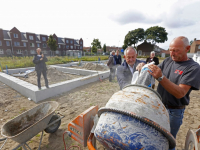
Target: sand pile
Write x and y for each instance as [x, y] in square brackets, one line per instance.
[53, 76]
[92, 66]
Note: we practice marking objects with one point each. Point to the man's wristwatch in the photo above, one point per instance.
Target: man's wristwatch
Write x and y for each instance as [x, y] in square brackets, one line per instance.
[160, 78]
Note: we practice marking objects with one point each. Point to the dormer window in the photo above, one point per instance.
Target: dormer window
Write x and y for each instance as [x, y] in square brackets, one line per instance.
[15, 35]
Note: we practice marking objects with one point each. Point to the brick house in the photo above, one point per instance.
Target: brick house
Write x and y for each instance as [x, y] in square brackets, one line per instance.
[18, 43]
[195, 46]
[145, 49]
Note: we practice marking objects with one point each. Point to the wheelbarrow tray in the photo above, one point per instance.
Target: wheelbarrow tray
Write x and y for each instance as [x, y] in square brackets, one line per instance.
[30, 123]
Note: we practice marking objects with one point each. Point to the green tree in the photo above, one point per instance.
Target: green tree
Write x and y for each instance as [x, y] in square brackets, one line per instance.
[156, 34]
[133, 37]
[51, 42]
[96, 44]
[191, 42]
[104, 48]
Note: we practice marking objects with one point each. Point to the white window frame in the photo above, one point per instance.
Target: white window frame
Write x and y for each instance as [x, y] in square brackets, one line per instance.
[71, 47]
[19, 51]
[32, 51]
[1, 51]
[24, 44]
[57, 52]
[38, 44]
[15, 35]
[43, 38]
[16, 44]
[44, 46]
[30, 37]
[44, 52]
[32, 45]
[7, 43]
[199, 47]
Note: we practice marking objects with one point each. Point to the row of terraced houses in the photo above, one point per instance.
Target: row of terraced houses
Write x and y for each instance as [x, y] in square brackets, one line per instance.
[18, 43]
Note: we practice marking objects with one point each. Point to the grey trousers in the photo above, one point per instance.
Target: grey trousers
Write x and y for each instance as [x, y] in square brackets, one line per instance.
[112, 73]
[44, 72]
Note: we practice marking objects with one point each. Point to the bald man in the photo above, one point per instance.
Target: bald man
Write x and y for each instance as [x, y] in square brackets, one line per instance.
[40, 67]
[177, 75]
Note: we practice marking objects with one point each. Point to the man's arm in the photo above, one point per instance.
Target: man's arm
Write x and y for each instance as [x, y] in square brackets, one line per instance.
[121, 77]
[178, 91]
[35, 61]
[109, 61]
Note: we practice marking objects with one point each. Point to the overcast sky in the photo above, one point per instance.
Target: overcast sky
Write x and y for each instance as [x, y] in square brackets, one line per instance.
[107, 20]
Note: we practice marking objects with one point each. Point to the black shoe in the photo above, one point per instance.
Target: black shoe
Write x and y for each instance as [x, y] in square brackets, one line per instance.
[47, 87]
[39, 88]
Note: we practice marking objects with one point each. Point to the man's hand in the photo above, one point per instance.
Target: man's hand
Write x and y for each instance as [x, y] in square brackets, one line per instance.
[155, 71]
[42, 55]
[139, 66]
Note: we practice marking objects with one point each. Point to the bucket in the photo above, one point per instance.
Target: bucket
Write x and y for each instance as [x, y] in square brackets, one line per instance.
[134, 118]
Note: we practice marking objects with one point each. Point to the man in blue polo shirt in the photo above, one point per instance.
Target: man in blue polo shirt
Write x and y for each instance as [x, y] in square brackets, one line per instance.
[177, 75]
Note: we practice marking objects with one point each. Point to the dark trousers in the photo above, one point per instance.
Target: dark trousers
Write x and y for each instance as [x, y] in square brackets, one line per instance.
[44, 72]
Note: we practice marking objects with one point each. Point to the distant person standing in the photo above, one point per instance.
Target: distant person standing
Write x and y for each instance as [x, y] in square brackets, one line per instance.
[118, 58]
[152, 58]
[40, 67]
[112, 65]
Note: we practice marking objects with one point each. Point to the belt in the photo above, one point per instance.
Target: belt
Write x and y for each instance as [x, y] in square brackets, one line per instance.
[175, 107]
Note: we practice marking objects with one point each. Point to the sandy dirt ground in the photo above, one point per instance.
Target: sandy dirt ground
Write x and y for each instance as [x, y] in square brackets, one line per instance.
[53, 76]
[71, 104]
[92, 66]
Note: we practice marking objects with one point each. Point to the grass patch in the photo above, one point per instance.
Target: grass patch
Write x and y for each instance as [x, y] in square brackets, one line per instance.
[23, 62]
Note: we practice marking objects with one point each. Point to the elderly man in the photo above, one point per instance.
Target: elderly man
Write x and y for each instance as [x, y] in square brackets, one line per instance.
[111, 64]
[152, 58]
[177, 75]
[125, 71]
[40, 67]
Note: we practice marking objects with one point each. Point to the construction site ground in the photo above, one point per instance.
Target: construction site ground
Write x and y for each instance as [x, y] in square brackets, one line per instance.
[72, 104]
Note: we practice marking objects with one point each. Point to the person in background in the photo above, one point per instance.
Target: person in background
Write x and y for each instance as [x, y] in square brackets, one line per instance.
[152, 58]
[177, 75]
[40, 67]
[125, 72]
[112, 65]
[118, 58]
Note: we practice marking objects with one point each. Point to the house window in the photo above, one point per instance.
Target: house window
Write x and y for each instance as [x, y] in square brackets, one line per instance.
[199, 47]
[71, 41]
[30, 37]
[15, 35]
[71, 47]
[67, 41]
[67, 46]
[80, 47]
[32, 51]
[24, 44]
[19, 51]
[81, 42]
[43, 38]
[7, 43]
[32, 45]
[57, 52]
[59, 46]
[0, 43]
[16, 43]
[44, 45]
[44, 52]
[1, 51]
[38, 45]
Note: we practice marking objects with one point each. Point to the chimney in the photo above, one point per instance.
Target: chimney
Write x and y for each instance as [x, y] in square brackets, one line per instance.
[195, 39]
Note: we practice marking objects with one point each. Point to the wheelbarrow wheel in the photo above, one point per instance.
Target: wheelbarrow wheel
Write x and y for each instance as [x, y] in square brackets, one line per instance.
[53, 128]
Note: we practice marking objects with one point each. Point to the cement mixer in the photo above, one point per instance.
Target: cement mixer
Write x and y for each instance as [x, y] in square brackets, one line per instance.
[134, 118]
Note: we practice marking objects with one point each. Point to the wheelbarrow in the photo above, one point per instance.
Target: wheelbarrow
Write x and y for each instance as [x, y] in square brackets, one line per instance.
[28, 124]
